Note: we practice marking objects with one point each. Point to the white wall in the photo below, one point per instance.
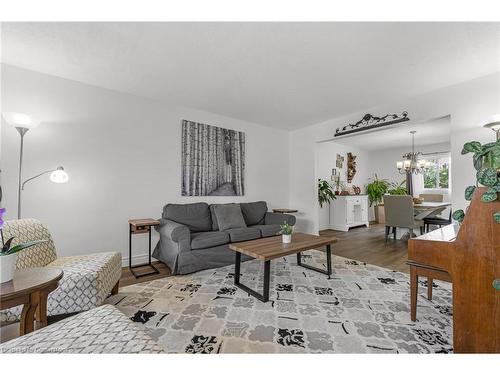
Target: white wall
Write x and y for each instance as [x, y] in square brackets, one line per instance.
[468, 104]
[326, 154]
[122, 154]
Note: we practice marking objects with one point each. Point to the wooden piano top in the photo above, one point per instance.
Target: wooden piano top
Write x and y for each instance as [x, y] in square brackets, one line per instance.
[447, 233]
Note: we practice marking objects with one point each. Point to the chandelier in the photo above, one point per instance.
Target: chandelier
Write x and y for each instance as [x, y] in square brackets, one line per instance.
[411, 162]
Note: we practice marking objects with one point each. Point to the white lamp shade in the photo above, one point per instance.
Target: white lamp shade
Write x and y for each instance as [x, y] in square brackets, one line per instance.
[399, 165]
[59, 176]
[407, 163]
[19, 120]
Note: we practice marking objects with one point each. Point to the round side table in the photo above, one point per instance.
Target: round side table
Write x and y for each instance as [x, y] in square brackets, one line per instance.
[30, 287]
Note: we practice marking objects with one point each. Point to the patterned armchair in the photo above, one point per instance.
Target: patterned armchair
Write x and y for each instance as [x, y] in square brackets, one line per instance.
[88, 279]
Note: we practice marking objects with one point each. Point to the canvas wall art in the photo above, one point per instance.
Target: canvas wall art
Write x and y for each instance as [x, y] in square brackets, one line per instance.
[213, 160]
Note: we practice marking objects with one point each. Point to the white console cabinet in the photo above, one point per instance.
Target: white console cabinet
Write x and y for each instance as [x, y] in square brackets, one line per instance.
[348, 211]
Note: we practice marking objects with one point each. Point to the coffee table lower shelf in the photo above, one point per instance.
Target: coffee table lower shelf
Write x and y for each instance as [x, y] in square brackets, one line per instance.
[264, 297]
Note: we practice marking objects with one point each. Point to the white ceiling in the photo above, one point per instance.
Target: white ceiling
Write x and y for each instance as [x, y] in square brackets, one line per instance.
[286, 75]
[428, 133]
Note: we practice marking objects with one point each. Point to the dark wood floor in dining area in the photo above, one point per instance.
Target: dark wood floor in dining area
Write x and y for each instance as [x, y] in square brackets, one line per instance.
[368, 245]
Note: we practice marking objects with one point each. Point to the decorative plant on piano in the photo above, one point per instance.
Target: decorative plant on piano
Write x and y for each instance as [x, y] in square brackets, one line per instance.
[486, 159]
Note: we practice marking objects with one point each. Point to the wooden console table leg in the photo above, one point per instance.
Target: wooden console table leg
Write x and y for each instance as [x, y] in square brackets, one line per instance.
[413, 292]
[28, 314]
[429, 288]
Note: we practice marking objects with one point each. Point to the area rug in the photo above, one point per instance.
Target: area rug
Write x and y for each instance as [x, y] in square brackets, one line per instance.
[361, 309]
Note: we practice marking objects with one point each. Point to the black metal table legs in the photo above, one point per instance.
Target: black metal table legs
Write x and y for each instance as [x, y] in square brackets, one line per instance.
[264, 297]
[328, 271]
[137, 275]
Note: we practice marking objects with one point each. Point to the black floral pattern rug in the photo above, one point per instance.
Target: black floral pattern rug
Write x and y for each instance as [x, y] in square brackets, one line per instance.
[361, 309]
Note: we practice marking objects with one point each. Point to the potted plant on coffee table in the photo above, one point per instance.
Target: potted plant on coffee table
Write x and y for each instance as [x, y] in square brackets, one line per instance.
[8, 253]
[286, 232]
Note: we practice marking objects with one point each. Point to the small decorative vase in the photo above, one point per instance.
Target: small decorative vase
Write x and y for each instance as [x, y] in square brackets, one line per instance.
[7, 267]
[287, 238]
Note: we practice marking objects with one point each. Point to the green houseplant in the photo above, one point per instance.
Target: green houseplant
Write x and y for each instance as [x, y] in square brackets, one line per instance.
[397, 189]
[286, 232]
[486, 160]
[325, 192]
[376, 190]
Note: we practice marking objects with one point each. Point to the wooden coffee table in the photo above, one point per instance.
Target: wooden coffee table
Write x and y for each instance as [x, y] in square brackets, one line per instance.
[30, 287]
[267, 249]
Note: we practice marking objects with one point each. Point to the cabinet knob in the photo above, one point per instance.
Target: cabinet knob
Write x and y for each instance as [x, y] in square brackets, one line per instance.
[496, 284]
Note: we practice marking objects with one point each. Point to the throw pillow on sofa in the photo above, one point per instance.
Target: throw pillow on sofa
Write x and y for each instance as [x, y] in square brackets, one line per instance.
[229, 216]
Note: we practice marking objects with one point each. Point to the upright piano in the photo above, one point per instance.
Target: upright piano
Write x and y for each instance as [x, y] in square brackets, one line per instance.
[469, 255]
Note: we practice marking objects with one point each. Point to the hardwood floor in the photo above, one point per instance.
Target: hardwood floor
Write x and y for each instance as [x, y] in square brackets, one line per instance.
[129, 279]
[368, 245]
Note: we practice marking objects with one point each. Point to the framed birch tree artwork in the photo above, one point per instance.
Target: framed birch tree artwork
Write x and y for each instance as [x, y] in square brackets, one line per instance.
[213, 160]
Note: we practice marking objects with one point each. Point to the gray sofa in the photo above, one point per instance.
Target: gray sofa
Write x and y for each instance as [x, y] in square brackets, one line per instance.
[191, 240]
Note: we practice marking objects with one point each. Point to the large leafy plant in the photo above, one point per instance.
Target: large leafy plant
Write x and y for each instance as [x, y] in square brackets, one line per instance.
[325, 192]
[486, 160]
[397, 188]
[6, 247]
[376, 190]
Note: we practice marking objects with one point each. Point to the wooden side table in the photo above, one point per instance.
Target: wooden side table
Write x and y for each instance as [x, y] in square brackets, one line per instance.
[138, 226]
[30, 287]
[285, 210]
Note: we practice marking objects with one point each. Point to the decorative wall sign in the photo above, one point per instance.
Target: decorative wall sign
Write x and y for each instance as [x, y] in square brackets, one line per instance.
[213, 160]
[339, 162]
[371, 122]
[351, 166]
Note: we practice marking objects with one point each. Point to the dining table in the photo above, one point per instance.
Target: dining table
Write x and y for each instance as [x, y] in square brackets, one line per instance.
[424, 209]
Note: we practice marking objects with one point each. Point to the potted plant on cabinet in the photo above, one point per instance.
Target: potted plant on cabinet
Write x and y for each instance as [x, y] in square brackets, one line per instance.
[376, 190]
[286, 232]
[8, 253]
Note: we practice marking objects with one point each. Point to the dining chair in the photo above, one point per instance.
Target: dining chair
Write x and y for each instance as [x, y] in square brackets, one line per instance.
[436, 220]
[399, 213]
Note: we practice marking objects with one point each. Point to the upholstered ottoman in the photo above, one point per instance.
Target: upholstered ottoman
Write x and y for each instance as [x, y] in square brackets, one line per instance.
[104, 329]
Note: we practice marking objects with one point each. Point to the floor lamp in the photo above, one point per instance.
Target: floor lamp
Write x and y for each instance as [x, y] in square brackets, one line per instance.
[23, 123]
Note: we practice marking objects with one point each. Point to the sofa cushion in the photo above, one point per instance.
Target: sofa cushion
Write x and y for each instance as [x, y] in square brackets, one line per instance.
[243, 234]
[202, 240]
[196, 216]
[268, 230]
[254, 212]
[215, 225]
[229, 216]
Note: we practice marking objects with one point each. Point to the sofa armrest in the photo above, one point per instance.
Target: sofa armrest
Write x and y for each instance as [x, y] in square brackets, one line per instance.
[175, 232]
[277, 218]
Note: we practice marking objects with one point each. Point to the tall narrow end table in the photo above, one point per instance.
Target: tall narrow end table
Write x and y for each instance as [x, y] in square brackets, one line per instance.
[139, 226]
[267, 249]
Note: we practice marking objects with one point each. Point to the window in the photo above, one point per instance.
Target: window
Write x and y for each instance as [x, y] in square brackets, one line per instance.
[437, 173]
